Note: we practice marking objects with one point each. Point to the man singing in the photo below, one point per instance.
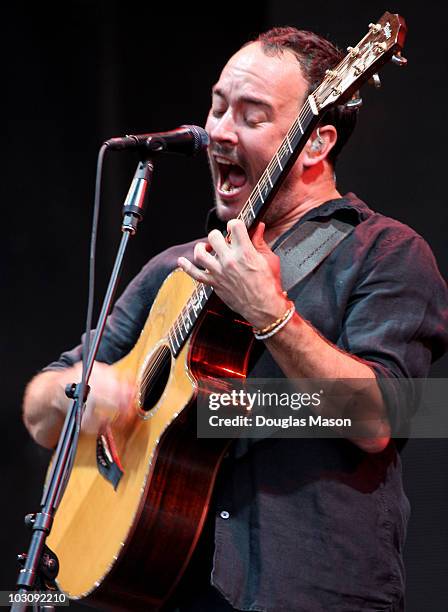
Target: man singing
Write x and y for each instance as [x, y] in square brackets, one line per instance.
[312, 524]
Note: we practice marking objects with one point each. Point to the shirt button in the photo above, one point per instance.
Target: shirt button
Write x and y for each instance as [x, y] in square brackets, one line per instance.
[224, 514]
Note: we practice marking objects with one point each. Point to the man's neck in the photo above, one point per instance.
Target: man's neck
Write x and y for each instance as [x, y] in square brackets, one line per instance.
[306, 199]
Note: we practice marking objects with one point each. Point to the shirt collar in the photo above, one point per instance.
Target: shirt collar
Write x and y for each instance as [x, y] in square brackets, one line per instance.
[349, 208]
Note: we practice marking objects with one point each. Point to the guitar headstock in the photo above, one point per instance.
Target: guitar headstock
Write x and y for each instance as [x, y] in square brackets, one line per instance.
[384, 40]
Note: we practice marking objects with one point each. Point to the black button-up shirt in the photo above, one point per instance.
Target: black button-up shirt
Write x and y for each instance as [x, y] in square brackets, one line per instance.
[318, 524]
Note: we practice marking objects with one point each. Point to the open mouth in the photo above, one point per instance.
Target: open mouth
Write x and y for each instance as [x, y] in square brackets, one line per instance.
[232, 178]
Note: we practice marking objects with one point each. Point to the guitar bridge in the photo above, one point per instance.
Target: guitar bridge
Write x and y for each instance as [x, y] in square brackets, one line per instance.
[107, 460]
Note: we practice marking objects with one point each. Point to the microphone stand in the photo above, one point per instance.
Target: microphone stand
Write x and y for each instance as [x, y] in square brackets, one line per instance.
[40, 565]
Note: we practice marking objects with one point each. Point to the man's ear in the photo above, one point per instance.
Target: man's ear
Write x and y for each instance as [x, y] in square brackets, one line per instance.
[319, 144]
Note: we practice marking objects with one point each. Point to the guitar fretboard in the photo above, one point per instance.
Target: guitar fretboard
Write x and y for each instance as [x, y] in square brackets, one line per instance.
[181, 329]
[260, 197]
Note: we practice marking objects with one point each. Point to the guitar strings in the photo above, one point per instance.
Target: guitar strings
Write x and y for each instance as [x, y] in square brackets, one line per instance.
[305, 115]
[201, 290]
[153, 368]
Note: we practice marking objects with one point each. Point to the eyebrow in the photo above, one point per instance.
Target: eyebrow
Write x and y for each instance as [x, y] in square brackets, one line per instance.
[246, 99]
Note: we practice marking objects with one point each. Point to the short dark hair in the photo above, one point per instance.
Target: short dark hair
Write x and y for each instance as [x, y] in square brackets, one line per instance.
[315, 55]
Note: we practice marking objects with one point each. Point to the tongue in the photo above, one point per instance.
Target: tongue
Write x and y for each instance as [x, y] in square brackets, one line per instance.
[236, 176]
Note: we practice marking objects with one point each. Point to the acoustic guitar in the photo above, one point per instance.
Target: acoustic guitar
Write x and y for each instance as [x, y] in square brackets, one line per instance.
[139, 491]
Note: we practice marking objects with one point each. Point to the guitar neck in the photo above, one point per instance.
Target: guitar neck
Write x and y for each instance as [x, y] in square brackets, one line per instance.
[182, 327]
[258, 201]
[280, 164]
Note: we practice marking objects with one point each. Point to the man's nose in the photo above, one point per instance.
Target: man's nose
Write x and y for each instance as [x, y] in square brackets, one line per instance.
[224, 130]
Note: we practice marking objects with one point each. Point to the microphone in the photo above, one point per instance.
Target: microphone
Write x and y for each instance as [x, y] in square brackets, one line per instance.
[186, 140]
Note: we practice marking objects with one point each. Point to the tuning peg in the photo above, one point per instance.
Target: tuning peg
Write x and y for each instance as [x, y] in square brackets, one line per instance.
[399, 60]
[355, 102]
[353, 51]
[380, 47]
[375, 81]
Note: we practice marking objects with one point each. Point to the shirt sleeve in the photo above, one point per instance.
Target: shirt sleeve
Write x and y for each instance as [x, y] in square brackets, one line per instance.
[397, 318]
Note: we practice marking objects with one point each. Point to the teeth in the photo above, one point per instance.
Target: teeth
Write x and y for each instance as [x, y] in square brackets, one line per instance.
[222, 160]
[227, 187]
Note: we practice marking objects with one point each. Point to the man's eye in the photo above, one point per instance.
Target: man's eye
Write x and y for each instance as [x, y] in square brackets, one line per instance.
[217, 113]
[254, 119]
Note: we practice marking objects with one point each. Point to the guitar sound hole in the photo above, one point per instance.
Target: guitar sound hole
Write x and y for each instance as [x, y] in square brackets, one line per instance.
[155, 378]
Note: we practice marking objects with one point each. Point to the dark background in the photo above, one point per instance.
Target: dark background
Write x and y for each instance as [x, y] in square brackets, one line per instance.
[82, 71]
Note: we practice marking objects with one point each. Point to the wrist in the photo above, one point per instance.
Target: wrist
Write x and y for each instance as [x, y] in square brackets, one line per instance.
[271, 312]
[278, 324]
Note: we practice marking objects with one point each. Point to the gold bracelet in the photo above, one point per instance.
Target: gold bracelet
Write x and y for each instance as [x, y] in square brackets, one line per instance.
[272, 328]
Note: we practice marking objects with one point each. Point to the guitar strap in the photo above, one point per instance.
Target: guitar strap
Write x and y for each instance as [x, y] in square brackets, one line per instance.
[305, 248]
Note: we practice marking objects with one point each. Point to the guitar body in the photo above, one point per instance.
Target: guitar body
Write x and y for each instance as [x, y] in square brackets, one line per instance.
[124, 542]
